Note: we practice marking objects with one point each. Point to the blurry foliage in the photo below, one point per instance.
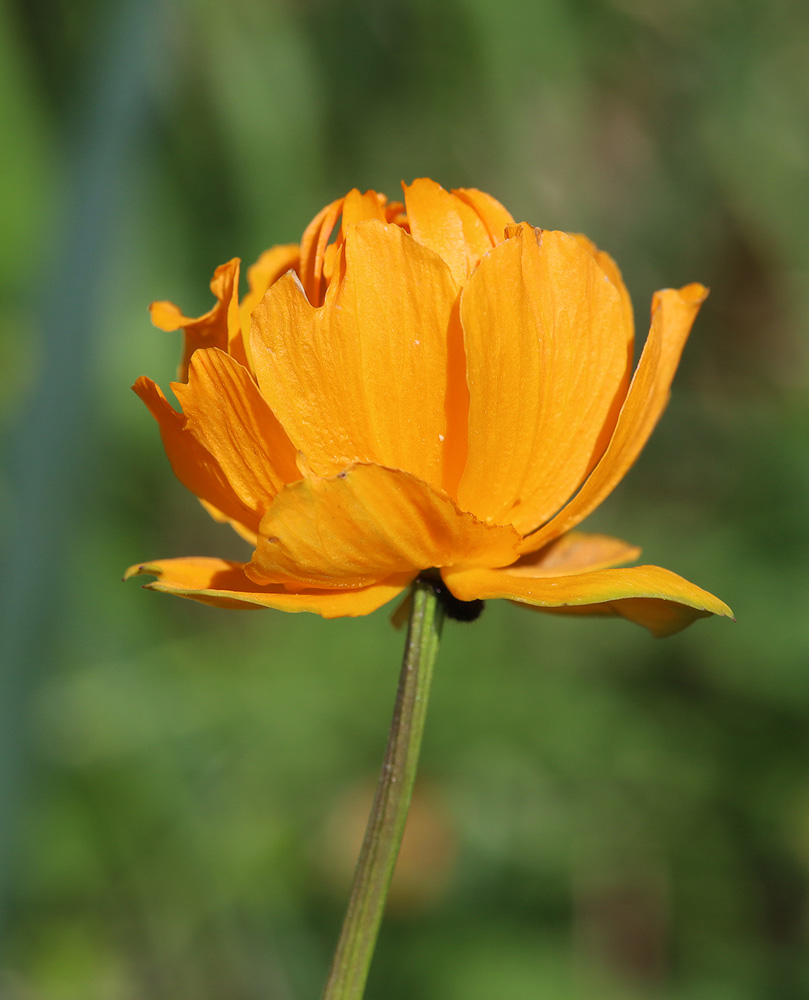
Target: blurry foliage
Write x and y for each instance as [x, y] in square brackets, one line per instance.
[627, 818]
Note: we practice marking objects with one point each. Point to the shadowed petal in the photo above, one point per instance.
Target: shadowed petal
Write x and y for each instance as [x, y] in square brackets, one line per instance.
[224, 584]
[653, 597]
[366, 524]
[673, 314]
[313, 249]
[575, 552]
[546, 350]
[364, 378]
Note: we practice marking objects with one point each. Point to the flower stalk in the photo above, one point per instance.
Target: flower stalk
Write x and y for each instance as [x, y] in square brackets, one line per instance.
[386, 823]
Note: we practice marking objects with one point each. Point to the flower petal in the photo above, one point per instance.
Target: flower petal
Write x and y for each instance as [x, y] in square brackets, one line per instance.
[219, 327]
[673, 314]
[653, 597]
[492, 214]
[267, 269]
[313, 249]
[612, 271]
[446, 224]
[193, 464]
[223, 584]
[546, 348]
[364, 378]
[365, 525]
[359, 207]
[227, 414]
[575, 552]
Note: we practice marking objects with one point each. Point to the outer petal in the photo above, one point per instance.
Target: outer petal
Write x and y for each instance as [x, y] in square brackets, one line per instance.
[364, 378]
[546, 349]
[673, 314]
[193, 464]
[227, 414]
[224, 584]
[365, 525]
[448, 225]
[219, 327]
[613, 272]
[648, 595]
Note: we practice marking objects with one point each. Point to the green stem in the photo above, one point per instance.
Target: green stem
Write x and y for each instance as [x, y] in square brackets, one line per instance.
[394, 790]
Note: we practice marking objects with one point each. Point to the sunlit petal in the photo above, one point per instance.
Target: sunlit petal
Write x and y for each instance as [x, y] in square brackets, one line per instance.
[366, 524]
[673, 314]
[364, 378]
[546, 356]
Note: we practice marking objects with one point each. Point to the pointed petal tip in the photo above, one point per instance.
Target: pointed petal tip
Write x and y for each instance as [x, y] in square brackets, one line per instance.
[140, 569]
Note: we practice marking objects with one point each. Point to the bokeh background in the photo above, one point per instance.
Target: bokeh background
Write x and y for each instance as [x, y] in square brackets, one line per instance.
[601, 815]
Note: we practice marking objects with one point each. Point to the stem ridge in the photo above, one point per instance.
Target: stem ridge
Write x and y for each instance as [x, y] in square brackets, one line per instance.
[394, 790]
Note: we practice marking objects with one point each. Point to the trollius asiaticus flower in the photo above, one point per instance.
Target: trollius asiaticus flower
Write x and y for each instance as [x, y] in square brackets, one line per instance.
[421, 386]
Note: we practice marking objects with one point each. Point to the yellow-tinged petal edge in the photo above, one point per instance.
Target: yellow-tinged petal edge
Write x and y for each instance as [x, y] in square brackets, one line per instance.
[223, 584]
[650, 596]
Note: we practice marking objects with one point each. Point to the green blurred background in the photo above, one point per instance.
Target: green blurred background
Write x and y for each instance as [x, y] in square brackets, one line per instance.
[602, 815]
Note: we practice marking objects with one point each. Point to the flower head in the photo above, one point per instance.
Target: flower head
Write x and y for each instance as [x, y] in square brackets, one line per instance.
[418, 386]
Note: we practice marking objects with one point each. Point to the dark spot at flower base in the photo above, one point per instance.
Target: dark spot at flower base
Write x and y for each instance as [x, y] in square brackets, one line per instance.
[459, 611]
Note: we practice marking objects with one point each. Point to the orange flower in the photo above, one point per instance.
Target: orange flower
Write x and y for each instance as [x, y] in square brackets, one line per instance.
[426, 387]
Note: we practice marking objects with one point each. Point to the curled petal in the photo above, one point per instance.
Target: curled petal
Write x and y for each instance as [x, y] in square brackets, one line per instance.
[365, 525]
[223, 584]
[313, 249]
[364, 378]
[546, 349]
[192, 463]
[219, 327]
[650, 596]
[673, 314]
